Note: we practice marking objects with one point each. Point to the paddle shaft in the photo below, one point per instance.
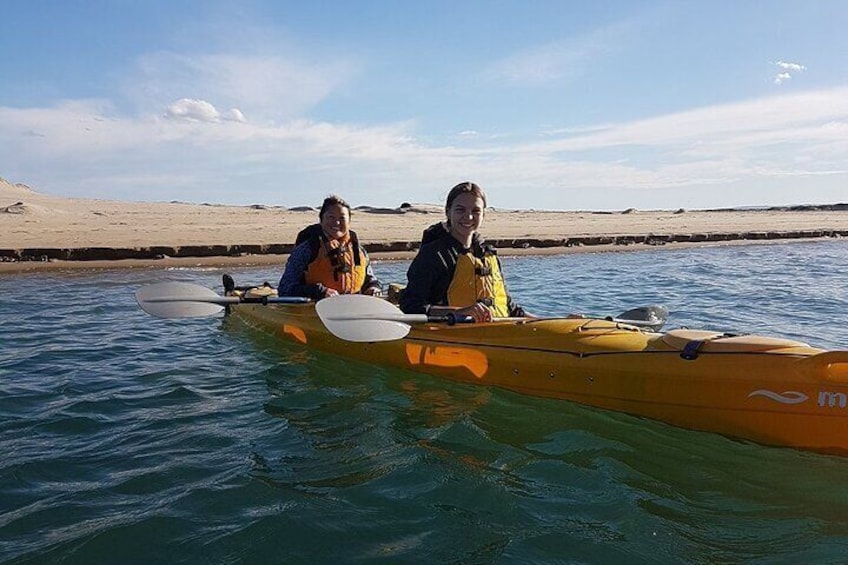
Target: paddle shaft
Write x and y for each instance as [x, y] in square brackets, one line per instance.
[449, 319]
[184, 300]
[227, 300]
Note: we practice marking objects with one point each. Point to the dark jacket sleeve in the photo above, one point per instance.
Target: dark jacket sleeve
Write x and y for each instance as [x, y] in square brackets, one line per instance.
[424, 281]
[292, 283]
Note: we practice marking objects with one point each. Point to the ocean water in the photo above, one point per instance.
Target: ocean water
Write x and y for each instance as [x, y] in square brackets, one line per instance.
[129, 439]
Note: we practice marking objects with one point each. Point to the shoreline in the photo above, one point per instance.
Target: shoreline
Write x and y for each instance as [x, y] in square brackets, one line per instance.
[247, 261]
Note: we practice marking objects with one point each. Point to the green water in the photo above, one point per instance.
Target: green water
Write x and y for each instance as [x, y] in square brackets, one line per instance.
[133, 440]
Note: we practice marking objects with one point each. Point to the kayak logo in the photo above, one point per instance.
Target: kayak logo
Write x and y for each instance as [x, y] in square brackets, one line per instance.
[788, 397]
[826, 399]
[833, 399]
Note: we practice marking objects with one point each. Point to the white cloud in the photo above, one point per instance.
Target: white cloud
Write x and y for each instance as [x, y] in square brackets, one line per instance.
[201, 111]
[92, 148]
[780, 78]
[235, 115]
[772, 116]
[786, 71]
[193, 110]
[797, 67]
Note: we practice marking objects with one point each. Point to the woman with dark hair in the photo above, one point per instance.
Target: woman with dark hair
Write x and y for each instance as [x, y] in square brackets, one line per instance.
[455, 271]
[327, 259]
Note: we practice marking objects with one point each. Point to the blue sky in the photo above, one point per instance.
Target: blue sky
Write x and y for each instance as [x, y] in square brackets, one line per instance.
[546, 104]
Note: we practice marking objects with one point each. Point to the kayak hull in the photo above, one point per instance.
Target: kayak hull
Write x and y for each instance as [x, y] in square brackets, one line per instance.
[772, 391]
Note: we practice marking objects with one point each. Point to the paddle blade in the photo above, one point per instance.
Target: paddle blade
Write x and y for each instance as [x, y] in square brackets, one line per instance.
[652, 318]
[361, 318]
[179, 300]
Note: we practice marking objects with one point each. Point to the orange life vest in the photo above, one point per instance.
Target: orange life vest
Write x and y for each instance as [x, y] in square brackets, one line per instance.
[338, 265]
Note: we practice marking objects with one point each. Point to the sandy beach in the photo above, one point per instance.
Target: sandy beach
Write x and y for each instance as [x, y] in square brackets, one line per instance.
[40, 231]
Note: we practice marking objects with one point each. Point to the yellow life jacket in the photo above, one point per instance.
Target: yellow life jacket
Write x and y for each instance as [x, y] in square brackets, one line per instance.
[478, 279]
[338, 265]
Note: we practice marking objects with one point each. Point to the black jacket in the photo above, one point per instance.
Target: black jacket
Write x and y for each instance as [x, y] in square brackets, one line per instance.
[431, 272]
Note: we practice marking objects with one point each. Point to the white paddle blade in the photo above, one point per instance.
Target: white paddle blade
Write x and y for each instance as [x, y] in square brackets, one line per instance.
[180, 300]
[361, 318]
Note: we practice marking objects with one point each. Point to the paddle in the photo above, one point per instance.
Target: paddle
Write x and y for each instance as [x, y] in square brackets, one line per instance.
[356, 317]
[186, 300]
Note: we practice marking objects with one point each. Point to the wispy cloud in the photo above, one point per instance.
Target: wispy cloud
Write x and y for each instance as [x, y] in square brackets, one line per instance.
[91, 144]
[558, 60]
[270, 87]
[772, 116]
[787, 70]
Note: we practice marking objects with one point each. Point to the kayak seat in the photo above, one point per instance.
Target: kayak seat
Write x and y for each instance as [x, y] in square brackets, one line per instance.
[259, 291]
[692, 341]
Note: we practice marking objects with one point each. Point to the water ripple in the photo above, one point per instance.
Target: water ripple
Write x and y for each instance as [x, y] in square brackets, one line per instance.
[185, 441]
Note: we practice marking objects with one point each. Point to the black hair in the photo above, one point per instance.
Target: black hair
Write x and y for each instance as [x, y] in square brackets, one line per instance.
[331, 200]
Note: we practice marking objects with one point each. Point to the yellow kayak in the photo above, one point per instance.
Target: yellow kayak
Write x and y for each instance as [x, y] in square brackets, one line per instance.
[769, 390]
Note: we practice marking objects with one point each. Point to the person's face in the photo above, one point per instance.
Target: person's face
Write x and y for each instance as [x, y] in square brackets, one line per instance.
[335, 221]
[466, 215]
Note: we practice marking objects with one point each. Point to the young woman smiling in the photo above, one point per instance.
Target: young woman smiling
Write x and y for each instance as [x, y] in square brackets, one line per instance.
[327, 259]
[455, 271]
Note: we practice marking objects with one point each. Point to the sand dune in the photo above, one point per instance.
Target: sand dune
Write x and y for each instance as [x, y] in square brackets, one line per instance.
[33, 220]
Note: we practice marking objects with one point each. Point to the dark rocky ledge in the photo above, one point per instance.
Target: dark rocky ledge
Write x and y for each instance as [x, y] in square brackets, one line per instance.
[187, 251]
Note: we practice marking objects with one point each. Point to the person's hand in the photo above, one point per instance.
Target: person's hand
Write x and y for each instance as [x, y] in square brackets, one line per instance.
[478, 311]
[371, 290]
[330, 292]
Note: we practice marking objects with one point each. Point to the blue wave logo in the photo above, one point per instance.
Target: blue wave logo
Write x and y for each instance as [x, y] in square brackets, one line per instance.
[788, 397]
